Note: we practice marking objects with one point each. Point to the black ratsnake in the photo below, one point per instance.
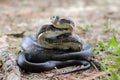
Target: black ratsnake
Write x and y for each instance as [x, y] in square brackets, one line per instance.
[67, 49]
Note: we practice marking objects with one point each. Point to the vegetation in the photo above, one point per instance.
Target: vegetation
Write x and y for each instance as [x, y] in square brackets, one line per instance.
[109, 54]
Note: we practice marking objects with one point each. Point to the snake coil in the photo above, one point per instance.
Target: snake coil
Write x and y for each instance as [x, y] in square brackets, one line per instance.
[54, 45]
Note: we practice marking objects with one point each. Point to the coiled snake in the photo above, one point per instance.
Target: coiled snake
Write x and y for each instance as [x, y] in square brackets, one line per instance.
[54, 45]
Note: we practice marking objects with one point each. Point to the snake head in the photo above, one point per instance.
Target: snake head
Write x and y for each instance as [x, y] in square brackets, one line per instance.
[54, 19]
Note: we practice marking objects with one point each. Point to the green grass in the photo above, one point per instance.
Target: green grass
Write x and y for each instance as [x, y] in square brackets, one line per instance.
[109, 54]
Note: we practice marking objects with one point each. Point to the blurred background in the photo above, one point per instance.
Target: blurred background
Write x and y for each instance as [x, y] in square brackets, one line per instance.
[93, 17]
[96, 20]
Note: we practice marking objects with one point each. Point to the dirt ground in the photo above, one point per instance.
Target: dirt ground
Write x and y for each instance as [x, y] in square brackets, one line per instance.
[96, 20]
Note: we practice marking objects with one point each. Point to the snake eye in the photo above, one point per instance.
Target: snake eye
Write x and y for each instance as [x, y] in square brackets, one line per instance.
[54, 19]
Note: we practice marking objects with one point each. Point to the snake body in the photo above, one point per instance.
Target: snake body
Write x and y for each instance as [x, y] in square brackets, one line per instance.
[54, 47]
[61, 34]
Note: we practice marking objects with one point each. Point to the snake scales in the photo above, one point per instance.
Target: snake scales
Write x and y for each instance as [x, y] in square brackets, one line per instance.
[54, 45]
